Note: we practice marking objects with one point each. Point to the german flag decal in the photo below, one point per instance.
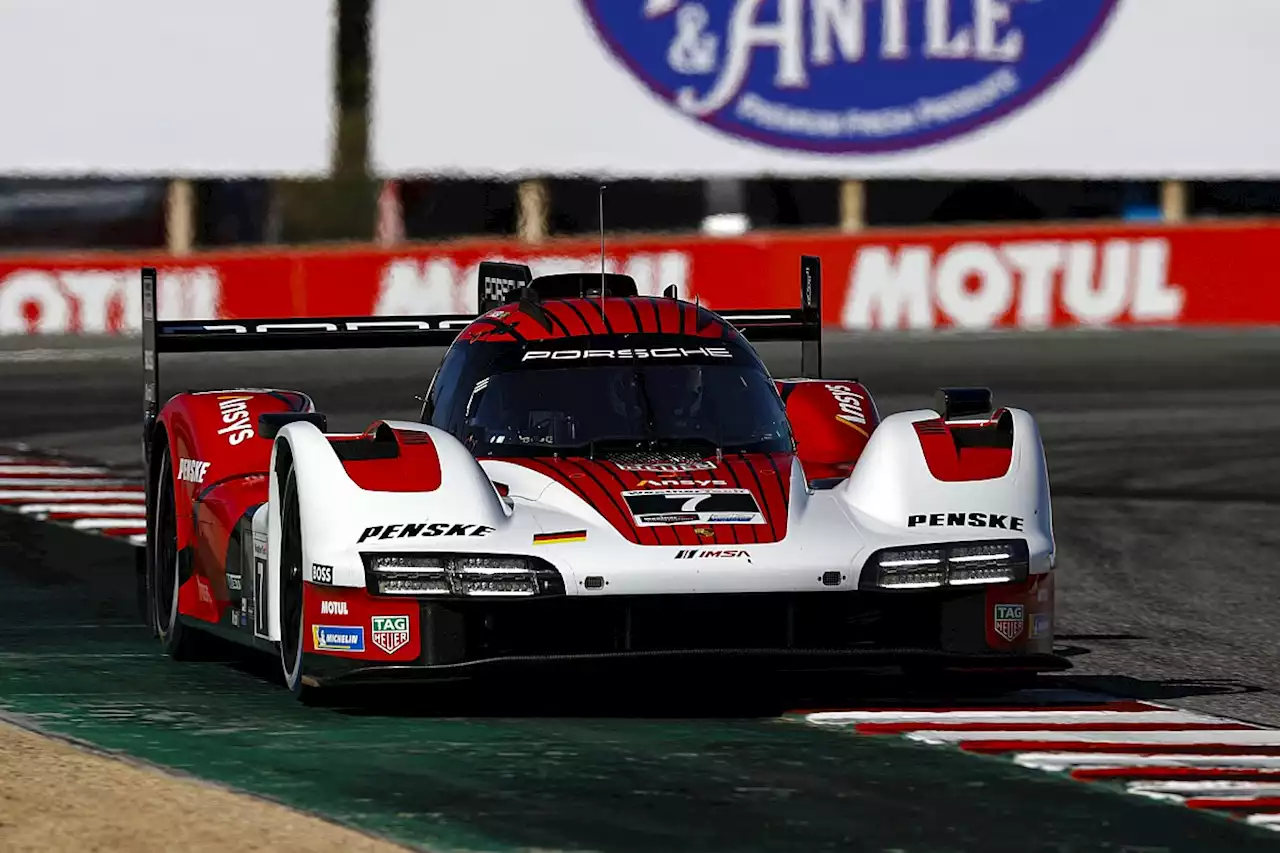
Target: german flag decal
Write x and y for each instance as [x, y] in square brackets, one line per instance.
[560, 538]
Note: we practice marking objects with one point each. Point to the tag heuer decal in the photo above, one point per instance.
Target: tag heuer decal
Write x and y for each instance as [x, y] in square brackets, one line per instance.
[390, 633]
[1009, 621]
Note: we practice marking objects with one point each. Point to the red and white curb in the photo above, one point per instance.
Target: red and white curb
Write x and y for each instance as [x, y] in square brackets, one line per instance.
[93, 499]
[1196, 760]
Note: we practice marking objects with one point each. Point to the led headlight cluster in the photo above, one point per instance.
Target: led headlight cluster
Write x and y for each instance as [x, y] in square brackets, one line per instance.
[953, 564]
[459, 575]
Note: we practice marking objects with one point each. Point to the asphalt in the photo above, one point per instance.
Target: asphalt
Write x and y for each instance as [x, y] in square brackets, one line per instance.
[1161, 449]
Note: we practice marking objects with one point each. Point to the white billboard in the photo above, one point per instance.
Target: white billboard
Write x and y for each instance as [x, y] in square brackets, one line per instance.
[850, 88]
[167, 87]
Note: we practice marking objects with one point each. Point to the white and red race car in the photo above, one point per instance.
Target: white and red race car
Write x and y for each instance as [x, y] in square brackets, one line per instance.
[596, 476]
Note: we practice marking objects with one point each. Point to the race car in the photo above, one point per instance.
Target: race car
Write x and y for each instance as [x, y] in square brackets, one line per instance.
[596, 476]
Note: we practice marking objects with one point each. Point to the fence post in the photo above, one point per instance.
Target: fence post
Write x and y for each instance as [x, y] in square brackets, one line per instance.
[532, 211]
[390, 226]
[1174, 201]
[853, 206]
[180, 217]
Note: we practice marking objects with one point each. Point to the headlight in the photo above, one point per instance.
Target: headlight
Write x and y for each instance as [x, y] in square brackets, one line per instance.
[459, 575]
[913, 568]
[952, 564]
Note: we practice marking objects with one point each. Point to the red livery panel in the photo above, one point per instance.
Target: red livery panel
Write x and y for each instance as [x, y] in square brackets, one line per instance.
[605, 484]
[349, 622]
[951, 459]
[415, 468]
[832, 421]
[614, 316]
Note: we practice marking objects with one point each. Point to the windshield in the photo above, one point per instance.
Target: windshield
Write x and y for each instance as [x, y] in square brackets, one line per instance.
[590, 410]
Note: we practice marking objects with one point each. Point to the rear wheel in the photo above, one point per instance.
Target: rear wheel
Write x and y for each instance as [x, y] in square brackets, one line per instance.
[179, 641]
[290, 600]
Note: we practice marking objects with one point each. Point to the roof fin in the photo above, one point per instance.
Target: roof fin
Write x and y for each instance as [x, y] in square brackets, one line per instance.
[531, 304]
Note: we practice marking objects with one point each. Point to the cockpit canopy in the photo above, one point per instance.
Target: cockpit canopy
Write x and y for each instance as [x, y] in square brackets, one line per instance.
[590, 396]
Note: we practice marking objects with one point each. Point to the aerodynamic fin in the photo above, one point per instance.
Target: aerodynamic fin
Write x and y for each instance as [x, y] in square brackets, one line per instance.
[803, 324]
[498, 281]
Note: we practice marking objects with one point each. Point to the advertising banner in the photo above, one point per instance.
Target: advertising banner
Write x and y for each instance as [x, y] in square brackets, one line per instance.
[1103, 276]
[148, 88]
[853, 88]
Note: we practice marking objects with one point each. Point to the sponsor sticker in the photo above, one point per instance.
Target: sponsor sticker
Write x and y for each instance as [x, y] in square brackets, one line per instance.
[713, 554]
[669, 467]
[192, 470]
[333, 608]
[850, 403]
[634, 353]
[233, 582]
[693, 506]
[235, 416]
[989, 520]
[1009, 621]
[338, 638]
[668, 484]
[321, 573]
[560, 538]
[390, 633]
[848, 77]
[425, 529]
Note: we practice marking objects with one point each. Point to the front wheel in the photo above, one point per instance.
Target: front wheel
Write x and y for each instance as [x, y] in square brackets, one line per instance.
[165, 573]
[290, 598]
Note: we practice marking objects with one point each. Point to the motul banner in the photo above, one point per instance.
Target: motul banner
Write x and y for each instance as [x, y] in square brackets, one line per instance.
[980, 279]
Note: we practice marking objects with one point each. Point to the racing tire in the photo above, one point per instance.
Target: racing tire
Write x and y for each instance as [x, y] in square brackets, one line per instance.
[292, 624]
[179, 641]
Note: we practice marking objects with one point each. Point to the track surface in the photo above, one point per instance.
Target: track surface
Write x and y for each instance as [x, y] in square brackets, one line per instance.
[1161, 450]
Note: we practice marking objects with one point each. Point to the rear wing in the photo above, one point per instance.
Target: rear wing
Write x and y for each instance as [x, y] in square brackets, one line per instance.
[496, 282]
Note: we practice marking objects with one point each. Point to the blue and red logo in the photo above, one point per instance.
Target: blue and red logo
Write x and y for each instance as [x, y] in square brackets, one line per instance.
[849, 76]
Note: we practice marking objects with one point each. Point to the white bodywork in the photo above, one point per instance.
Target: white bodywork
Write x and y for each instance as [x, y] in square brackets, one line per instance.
[830, 529]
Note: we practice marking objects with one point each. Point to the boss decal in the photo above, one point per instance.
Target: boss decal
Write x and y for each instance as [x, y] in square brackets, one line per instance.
[192, 470]
[990, 520]
[693, 506]
[660, 352]
[321, 573]
[411, 531]
[235, 414]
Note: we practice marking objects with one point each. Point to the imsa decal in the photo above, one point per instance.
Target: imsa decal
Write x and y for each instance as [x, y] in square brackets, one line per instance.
[693, 506]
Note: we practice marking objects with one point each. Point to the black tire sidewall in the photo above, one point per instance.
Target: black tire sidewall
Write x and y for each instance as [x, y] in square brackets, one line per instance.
[290, 514]
[165, 562]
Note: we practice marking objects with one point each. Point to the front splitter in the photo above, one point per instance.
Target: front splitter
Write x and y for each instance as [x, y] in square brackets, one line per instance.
[323, 670]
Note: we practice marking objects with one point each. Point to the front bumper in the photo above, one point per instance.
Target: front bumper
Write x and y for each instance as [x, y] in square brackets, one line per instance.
[946, 628]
